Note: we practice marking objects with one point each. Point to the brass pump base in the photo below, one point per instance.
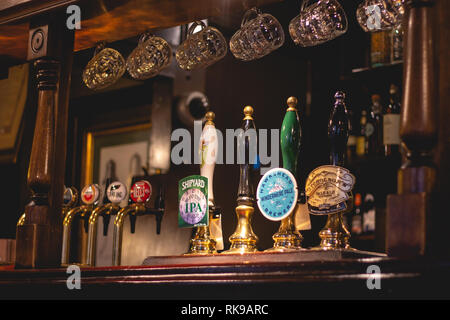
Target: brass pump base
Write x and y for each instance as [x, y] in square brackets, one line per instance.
[334, 236]
[202, 243]
[287, 238]
[243, 240]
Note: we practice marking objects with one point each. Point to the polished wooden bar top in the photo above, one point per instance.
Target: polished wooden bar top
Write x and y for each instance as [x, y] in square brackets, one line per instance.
[252, 276]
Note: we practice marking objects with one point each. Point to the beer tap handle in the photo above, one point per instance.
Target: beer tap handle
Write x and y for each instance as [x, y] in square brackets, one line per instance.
[290, 136]
[247, 153]
[159, 208]
[338, 130]
[208, 153]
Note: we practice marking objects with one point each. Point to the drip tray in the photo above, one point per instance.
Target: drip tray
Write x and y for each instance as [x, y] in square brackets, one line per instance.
[305, 255]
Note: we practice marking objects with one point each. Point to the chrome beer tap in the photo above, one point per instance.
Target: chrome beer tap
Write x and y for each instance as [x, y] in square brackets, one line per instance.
[115, 193]
[90, 196]
[139, 198]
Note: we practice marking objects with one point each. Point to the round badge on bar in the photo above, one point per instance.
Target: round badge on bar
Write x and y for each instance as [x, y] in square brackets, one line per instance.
[90, 194]
[116, 192]
[70, 196]
[141, 191]
[277, 194]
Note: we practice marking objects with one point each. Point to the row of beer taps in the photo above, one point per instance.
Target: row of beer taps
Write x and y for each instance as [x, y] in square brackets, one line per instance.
[91, 208]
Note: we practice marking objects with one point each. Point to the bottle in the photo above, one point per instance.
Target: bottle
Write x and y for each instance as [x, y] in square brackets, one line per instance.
[380, 52]
[356, 223]
[397, 44]
[351, 143]
[369, 214]
[361, 145]
[374, 127]
[391, 123]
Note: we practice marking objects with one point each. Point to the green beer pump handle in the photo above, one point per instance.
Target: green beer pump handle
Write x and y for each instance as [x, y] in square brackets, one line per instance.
[290, 136]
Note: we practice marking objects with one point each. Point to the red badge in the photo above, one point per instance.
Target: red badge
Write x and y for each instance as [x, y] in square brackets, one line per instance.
[141, 191]
[90, 194]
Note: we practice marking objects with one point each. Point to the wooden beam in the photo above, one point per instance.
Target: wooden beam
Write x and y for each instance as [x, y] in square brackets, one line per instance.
[39, 239]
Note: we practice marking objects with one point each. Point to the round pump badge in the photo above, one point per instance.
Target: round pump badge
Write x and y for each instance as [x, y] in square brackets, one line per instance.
[141, 191]
[116, 192]
[90, 194]
[277, 194]
[193, 205]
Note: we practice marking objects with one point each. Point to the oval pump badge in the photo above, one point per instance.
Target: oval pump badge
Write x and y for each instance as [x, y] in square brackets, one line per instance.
[141, 191]
[90, 194]
[116, 192]
[277, 194]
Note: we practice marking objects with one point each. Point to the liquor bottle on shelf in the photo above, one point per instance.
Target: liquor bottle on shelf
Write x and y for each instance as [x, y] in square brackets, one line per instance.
[374, 127]
[380, 52]
[351, 143]
[391, 123]
[397, 44]
[361, 141]
[369, 214]
[357, 219]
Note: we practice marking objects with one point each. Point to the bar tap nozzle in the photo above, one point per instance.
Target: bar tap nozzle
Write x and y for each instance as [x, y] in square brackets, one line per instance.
[90, 196]
[115, 193]
[140, 194]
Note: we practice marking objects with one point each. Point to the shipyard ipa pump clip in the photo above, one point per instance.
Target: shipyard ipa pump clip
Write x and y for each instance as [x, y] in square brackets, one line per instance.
[329, 188]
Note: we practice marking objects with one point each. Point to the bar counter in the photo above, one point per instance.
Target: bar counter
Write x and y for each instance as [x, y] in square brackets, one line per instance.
[254, 276]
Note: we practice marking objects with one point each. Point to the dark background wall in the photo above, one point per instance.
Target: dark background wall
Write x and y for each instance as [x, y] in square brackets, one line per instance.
[313, 75]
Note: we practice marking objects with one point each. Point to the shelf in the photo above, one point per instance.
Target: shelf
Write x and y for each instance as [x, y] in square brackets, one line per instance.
[357, 74]
[378, 67]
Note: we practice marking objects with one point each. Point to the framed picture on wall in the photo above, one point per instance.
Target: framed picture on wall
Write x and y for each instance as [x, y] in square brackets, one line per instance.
[120, 153]
[13, 91]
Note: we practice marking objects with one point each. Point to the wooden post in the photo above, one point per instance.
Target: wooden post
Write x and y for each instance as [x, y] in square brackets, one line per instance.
[39, 239]
[409, 211]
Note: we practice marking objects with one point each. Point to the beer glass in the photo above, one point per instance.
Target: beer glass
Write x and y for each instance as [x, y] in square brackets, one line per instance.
[318, 22]
[379, 15]
[152, 55]
[257, 37]
[201, 49]
[104, 69]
